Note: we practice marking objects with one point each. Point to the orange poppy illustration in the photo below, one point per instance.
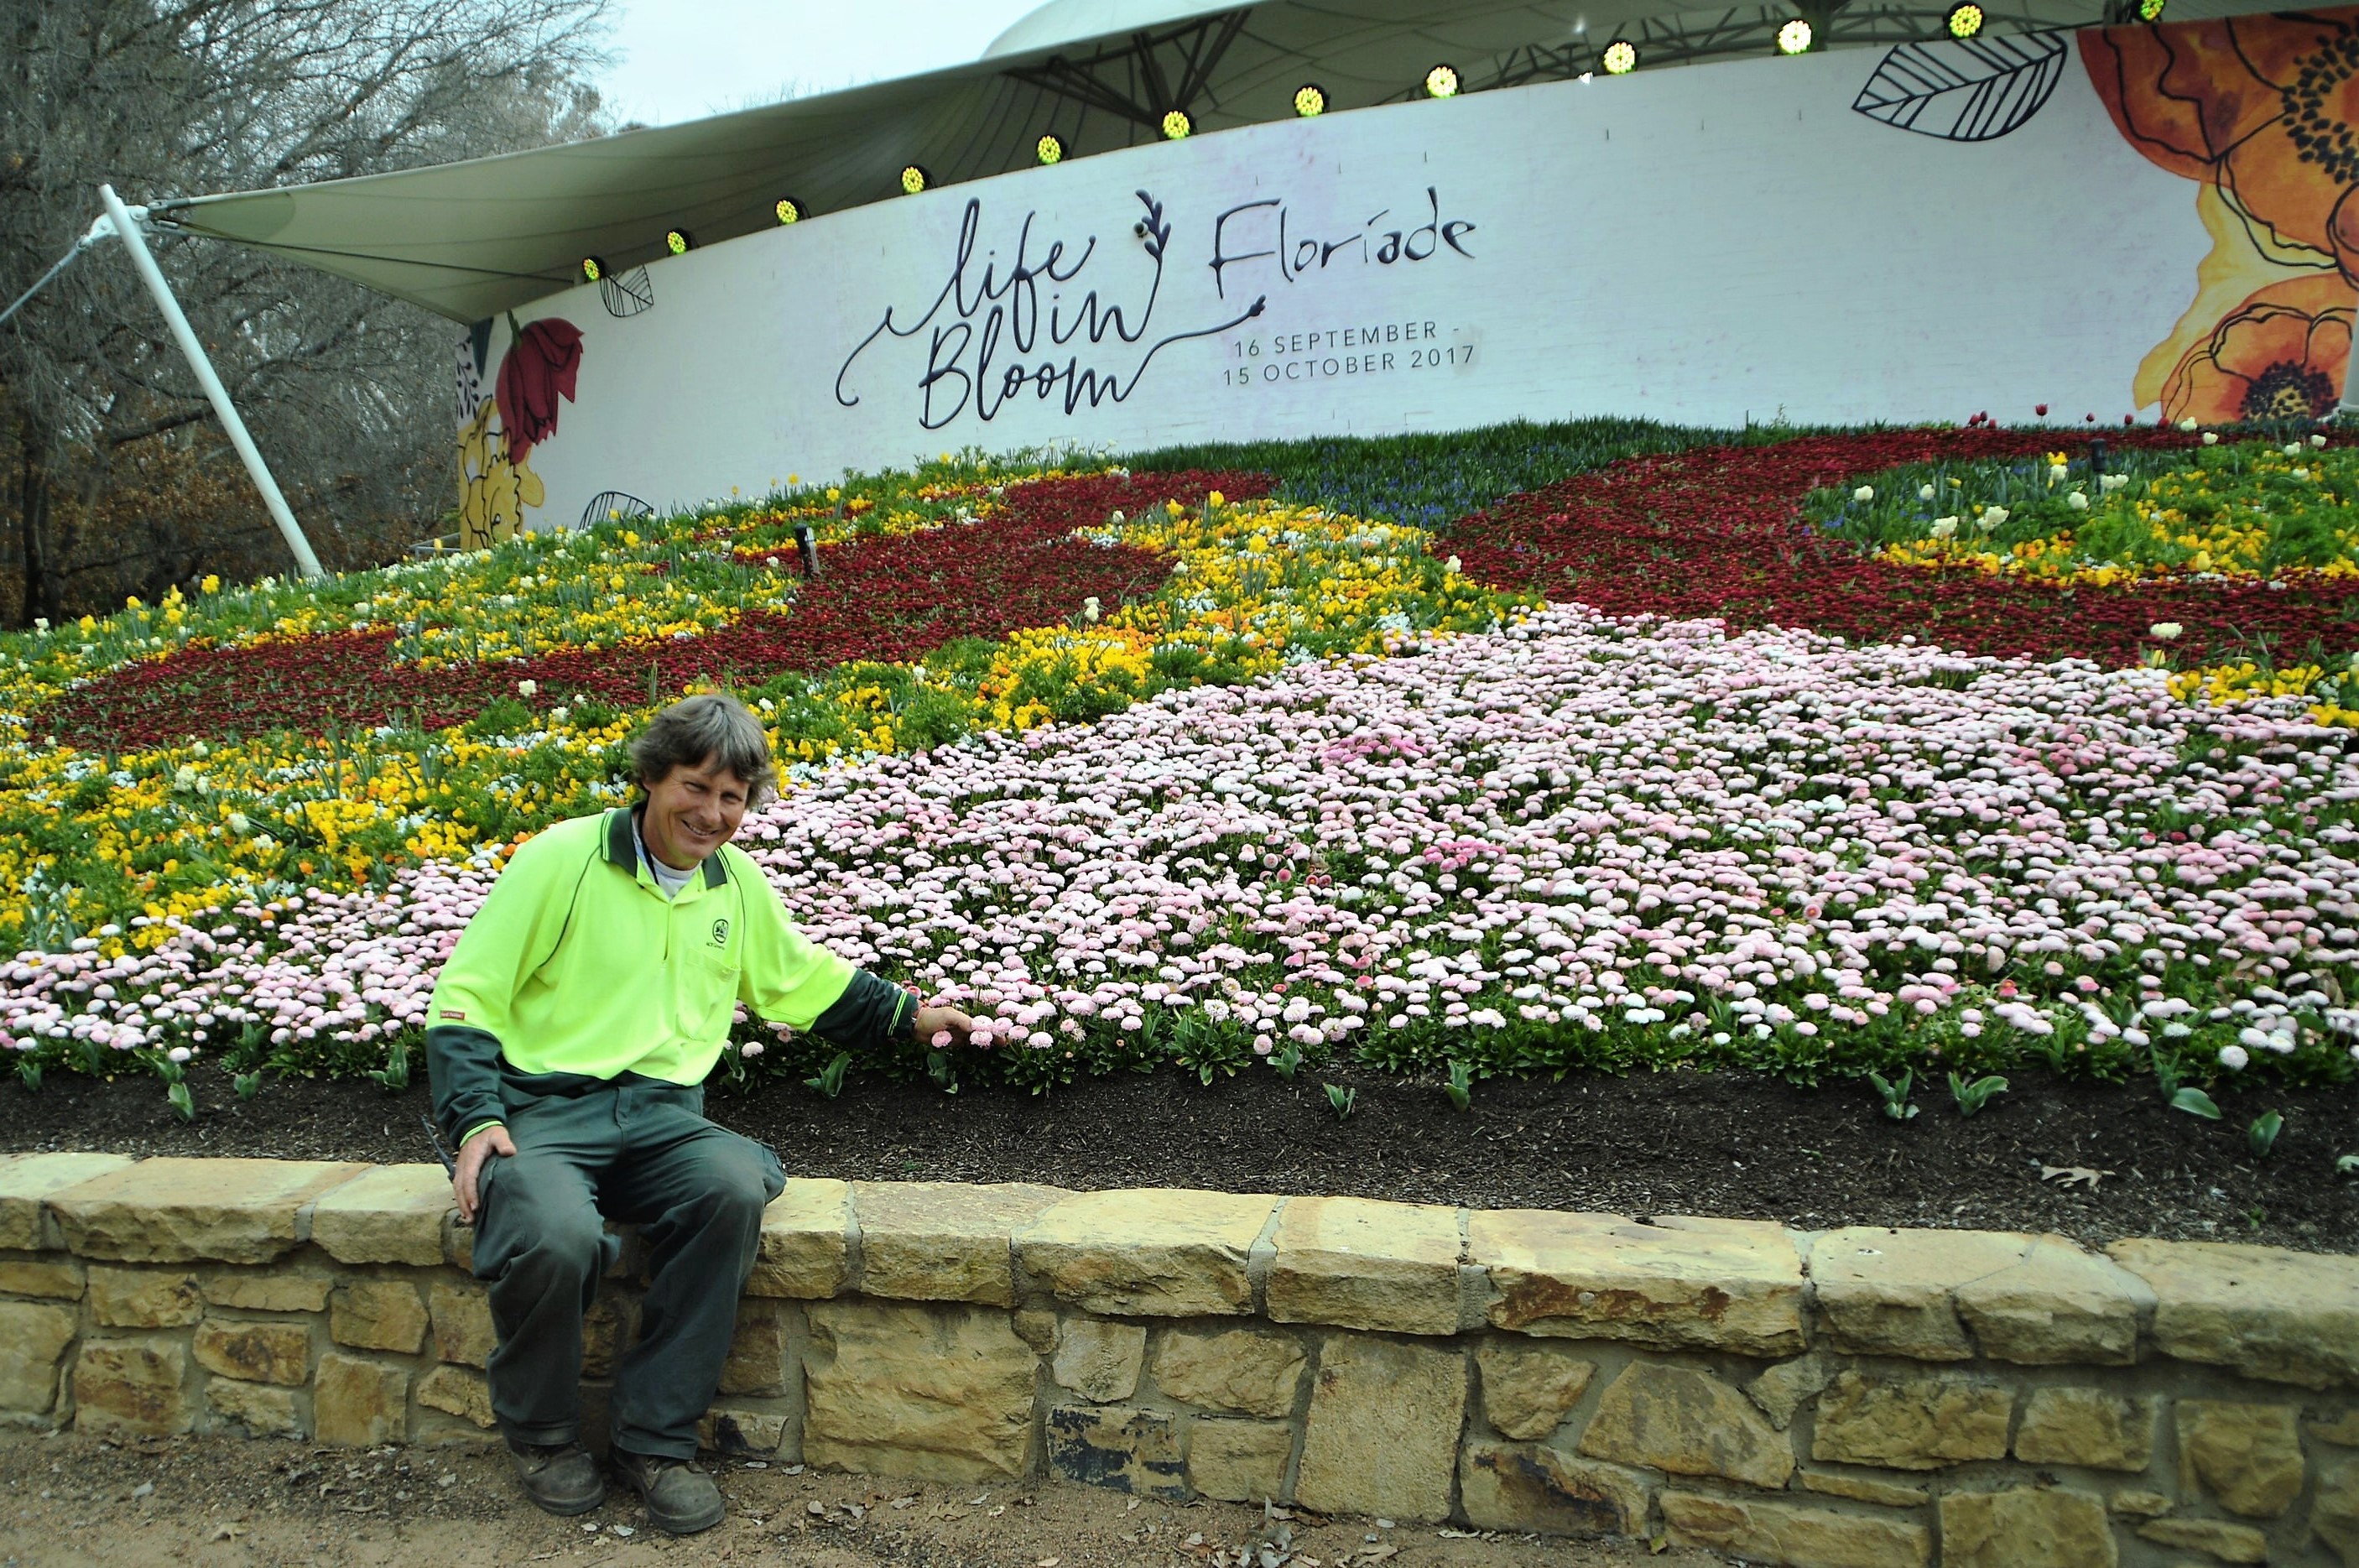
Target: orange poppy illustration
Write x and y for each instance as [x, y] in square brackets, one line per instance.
[2261, 112]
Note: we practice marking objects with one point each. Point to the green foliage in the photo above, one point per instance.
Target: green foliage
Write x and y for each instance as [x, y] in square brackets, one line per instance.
[1893, 1092]
[1461, 1086]
[2195, 1102]
[394, 1076]
[1341, 1100]
[1973, 1097]
[829, 1080]
[2261, 1137]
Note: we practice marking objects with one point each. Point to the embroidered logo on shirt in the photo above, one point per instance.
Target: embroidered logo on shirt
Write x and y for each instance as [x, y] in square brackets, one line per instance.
[454, 1014]
[721, 934]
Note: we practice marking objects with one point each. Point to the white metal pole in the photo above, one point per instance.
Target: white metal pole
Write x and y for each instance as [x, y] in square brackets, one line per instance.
[127, 228]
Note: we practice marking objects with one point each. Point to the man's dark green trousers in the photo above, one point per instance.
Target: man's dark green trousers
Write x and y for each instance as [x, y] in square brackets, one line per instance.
[630, 1148]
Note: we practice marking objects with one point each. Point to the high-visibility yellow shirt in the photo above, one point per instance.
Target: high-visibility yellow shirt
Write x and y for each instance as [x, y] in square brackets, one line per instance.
[578, 964]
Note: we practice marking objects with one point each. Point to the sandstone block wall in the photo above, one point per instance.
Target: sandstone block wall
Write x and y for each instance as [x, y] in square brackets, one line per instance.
[1860, 1396]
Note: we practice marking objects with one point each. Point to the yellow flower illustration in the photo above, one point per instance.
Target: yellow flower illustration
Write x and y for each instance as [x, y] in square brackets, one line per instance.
[493, 491]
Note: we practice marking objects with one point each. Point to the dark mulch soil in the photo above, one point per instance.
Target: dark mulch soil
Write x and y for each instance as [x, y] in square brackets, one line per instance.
[1724, 1143]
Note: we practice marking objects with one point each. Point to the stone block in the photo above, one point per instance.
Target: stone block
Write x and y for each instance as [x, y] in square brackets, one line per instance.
[2058, 1307]
[1787, 1386]
[943, 1241]
[934, 1393]
[2087, 1427]
[1247, 1371]
[462, 1316]
[2343, 1429]
[145, 1297]
[1802, 1537]
[1147, 1252]
[267, 1291]
[2226, 1542]
[608, 1329]
[742, 1429]
[1036, 1327]
[1528, 1487]
[1239, 1460]
[358, 1404]
[806, 1251]
[761, 1353]
[377, 1315]
[1913, 1422]
[1098, 1360]
[2026, 1527]
[1673, 1284]
[33, 1340]
[1356, 1263]
[131, 1387]
[27, 1180]
[176, 1210]
[1891, 1292]
[457, 1391]
[1865, 1489]
[260, 1409]
[2334, 1510]
[1381, 1434]
[1527, 1390]
[1689, 1423]
[390, 1213]
[254, 1352]
[58, 1277]
[2246, 1456]
[2287, 1317]
[2137, 1503]
[1117, 1446]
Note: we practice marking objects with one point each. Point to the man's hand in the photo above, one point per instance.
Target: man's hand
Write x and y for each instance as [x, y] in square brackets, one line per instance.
[492, 1140]
[931, 1021]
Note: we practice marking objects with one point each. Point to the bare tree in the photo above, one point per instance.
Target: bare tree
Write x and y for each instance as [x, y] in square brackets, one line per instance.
[112, 473]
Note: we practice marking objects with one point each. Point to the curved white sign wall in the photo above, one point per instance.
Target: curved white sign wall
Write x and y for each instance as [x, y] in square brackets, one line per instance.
[1851, 236]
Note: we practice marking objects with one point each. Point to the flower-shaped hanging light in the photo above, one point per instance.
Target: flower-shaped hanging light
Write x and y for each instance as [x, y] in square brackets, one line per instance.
[790, 211]
[1310, 99]
[1049, 150]
[1442, 81]
[1177, 126]
[679, 242]
[1795, 37]
[1964, 20]
[914, 179]
[1620, 58]
[593, 270]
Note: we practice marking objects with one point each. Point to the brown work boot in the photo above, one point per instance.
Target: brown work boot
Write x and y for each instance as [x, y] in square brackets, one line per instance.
[559, 1477]
[680, 1497]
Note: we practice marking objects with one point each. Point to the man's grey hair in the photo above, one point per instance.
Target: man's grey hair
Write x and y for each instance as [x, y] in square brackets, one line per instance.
[694, 732]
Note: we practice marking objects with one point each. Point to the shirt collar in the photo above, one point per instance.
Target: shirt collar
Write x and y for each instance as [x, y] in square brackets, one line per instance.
[623, 846]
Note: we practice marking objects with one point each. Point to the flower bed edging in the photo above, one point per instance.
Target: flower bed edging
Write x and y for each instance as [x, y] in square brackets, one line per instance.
[1858, 1395]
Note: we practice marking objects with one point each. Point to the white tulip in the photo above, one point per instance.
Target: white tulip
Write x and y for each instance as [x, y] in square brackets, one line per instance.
[1864, 493]
[1944, 527]
[1924, 492]
[1994, 516]
[2211, 438]
[2077, 501]
[526, 688]
[2165, 630]
[2187, 424]
[2319, 440]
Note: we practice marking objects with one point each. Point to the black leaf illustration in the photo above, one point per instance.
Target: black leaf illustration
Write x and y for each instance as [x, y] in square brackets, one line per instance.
[1965, 90]
[614, 505]
[629, 294]
[1152, 229]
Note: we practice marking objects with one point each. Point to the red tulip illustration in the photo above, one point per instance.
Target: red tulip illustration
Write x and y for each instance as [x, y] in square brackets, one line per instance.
[539, 367]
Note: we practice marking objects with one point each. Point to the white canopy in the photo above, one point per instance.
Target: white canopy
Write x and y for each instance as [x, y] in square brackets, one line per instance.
[468, 240]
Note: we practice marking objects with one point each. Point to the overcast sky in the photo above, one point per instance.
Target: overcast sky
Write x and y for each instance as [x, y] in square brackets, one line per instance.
[681, 59]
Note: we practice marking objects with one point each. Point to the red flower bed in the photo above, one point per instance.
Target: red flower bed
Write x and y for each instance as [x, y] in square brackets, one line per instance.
[1717, 531]
[897, 598]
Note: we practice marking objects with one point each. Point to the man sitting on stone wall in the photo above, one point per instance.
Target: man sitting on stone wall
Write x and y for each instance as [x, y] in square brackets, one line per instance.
[568, 1038]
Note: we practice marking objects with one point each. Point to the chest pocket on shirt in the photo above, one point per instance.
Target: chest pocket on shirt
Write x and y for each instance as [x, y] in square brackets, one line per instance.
[720, 948]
